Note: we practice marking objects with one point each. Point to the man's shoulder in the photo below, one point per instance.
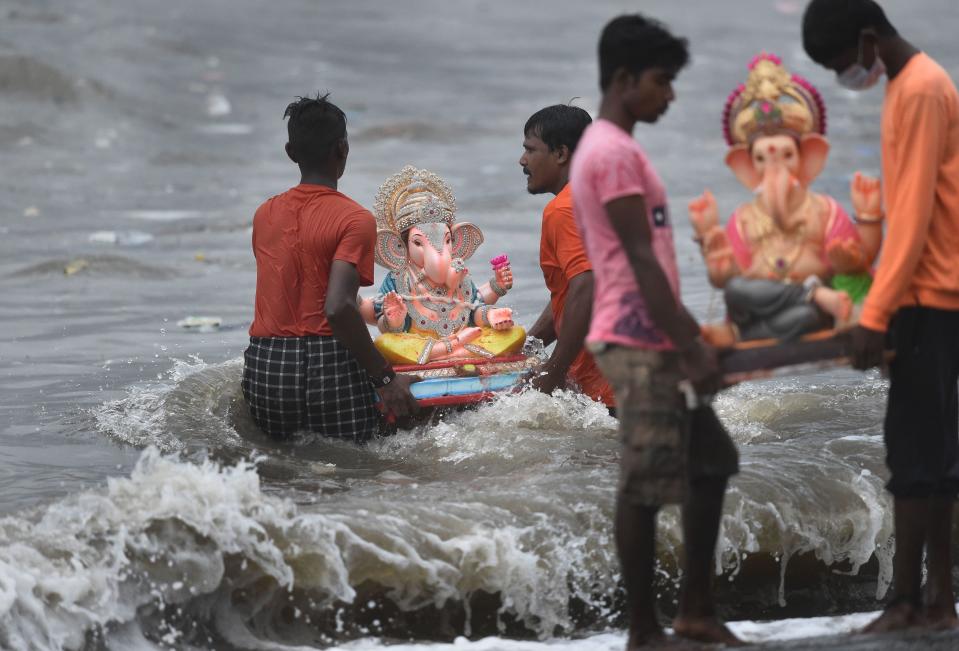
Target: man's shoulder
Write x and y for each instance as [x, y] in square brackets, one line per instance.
[560, 206]
[337, 207]
[601, 138]
[267, 205]
[927, 79]
[274, 211]
[607, 150]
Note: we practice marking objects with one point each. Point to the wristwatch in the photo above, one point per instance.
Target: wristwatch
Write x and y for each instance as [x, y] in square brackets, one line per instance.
[387, 376]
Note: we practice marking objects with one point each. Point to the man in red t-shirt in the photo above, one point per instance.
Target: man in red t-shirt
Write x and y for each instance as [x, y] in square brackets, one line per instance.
[311, 365]
[550, 136]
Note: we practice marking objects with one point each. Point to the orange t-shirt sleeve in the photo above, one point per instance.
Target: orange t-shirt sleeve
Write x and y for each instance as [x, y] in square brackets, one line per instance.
[567, 243]
[355, 244]
[910, 196]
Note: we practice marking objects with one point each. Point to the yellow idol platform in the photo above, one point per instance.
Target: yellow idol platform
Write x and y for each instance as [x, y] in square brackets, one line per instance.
[414, 347]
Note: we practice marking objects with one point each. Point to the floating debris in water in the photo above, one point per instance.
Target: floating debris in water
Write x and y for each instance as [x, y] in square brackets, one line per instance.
[226, 129]
[322, 468]
[32, 211]
[105, 138]
[75, 266]
[163, 215]
[121, 238]
[201, 323]
[218, 105]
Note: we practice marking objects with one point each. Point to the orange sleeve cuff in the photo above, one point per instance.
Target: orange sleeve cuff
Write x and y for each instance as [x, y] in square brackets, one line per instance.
[874, 317]
[576, 268]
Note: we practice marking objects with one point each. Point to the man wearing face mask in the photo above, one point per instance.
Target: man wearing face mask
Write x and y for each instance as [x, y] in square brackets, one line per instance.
[914, 300]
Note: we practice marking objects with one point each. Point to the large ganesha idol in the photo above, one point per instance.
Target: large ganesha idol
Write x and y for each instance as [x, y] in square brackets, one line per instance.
[428, 308]
[790, 261]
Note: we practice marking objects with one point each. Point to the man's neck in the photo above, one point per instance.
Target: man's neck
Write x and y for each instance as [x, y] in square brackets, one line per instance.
[318, 178]
[612, 109]
[895, 53]
[561, 181]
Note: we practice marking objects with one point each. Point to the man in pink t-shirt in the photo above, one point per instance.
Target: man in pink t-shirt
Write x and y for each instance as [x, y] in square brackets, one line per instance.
[644, 340]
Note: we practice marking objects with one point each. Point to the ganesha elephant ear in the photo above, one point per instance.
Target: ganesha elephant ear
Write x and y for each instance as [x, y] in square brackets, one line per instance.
[466, 239]
[740, 161]
[390, 252]
[813, 151]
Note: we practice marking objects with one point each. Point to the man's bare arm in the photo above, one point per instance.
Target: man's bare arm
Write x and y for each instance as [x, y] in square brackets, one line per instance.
[544, 329]
[628, 218]
[343, 313]
[569, 343]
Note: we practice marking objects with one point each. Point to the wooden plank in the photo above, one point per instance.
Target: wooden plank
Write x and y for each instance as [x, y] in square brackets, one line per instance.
[767, 358]
[769, 354]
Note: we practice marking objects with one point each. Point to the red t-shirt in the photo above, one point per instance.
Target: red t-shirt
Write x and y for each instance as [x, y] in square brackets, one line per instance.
[296, 237]
[562, 257]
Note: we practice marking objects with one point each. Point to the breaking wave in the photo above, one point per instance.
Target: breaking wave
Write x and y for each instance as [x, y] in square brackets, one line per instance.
[493, 521]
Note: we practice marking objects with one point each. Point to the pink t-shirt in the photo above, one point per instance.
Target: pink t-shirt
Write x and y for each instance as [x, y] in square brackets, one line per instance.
[610, 165]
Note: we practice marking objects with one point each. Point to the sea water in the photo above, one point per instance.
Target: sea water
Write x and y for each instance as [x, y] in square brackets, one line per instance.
[142, 509]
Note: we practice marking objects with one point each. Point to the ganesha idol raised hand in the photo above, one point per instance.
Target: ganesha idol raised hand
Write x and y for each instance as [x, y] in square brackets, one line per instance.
[790, 261]
[428, 307]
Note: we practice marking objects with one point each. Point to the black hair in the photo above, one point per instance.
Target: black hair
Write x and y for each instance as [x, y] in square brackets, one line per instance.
[315, 126]
[558, 125]
[831, 27]
[636, 43]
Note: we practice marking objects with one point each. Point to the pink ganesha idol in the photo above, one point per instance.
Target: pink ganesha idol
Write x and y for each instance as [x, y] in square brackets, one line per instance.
[428, 308]
[790, 261]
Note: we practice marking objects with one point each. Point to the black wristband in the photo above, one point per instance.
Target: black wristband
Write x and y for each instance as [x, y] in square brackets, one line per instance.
[383, 378]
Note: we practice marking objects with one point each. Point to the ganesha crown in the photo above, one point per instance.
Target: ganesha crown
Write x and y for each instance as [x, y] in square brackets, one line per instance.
[772, 101]
[413, 196]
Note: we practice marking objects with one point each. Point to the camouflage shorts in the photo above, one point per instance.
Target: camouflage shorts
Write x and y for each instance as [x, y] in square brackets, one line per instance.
[665, 444]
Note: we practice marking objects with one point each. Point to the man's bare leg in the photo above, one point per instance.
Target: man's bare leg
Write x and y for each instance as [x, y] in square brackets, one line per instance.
[833, 302]
[636, 545]
[697, 618]
[720, 335]
[939, 611]
[912, 518]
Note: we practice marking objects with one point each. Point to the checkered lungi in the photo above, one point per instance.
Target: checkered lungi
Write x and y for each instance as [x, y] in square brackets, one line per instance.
[308, 384]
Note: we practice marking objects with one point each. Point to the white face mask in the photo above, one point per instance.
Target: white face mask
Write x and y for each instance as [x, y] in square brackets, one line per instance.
[857, 77]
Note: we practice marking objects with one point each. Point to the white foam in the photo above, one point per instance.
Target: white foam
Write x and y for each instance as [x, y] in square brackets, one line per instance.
[514, 498]
[165, 534]
[602, 642]
[755, 632]
[140, 418]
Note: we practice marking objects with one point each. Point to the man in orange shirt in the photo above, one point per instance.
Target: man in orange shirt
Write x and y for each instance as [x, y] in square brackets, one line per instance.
[914, 300]
[311, 365]
[550, 137]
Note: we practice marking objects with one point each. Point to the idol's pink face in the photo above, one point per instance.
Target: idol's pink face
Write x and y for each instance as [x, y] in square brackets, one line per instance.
[429, 247]
[773, 151]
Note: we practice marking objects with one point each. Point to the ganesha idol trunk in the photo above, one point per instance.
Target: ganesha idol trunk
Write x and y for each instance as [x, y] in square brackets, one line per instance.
[782, 192]
[435, 322]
